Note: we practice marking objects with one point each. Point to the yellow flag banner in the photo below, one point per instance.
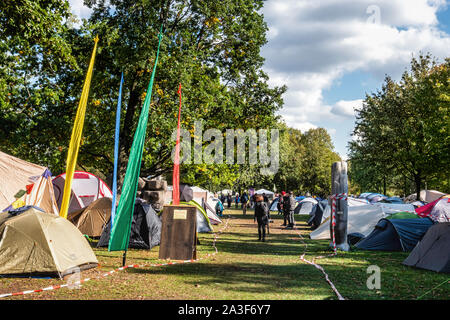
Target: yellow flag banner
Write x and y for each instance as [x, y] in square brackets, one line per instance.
[75, 140]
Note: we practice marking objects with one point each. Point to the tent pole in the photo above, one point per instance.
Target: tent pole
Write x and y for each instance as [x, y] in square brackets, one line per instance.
[124, 258]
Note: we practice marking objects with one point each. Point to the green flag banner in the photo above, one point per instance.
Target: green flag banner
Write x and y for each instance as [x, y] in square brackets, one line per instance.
[120, 232]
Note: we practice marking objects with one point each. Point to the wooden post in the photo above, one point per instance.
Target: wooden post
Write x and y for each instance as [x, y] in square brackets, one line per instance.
[339, 185]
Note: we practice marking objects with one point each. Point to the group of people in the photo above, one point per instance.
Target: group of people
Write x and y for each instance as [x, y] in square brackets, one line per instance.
[244, 200]
[286, 205]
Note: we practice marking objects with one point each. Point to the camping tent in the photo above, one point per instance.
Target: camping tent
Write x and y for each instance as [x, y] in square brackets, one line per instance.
[425, 195]
[86, 188]
[438, 210]
[390, 208]
[267, 192]
[316, 215]
[403, 215]
[203, 221]
[145, 230]
[361, 219]
[395, 234]
[25, 183]
[306, 206]
[210, 209]
[92, 219]
[394, 200]
[274, 205]
[433, 251]
[33, 241]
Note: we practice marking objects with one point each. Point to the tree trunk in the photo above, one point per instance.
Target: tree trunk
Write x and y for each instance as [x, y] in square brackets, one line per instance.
[126, 135]
[418, 182]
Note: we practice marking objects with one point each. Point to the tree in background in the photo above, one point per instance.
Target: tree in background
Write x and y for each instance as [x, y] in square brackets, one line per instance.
[35, 53]
[212, 48]
[403, 129]
[305, 163]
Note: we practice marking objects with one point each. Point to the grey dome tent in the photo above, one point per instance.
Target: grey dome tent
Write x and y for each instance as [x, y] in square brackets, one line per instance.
[395, 234]
[433, 251]
[145, 228]
[306, 206]
[315, 217]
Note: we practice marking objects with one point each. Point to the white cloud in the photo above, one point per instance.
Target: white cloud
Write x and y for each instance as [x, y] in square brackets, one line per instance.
[312, 44]
[346, 108]
[79, 9]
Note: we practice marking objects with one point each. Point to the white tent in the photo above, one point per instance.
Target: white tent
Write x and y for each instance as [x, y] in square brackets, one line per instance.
[86, 188]
[390, 208]
[430, 195]
[267, 192]
[25, 183]
[361, 219]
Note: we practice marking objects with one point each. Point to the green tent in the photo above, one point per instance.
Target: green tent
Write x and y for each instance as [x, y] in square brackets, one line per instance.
[403, 215]
[203, 222]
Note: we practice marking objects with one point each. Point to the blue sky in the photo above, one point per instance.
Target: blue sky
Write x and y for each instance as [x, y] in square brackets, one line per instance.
[330, 53]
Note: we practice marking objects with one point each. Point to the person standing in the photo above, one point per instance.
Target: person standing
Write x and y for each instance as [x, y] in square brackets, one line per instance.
[266, 198]
[290, 218]
[219, 208]
[244, 201]
[229, 200]
[236, 200]
[280, 203]
[261, 216]
[285, 207]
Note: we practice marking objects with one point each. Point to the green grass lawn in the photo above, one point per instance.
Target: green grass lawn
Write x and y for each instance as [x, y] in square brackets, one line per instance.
[246, 269]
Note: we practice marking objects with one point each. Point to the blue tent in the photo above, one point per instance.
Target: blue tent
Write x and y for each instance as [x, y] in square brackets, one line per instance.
[396, 234]
[394, 200]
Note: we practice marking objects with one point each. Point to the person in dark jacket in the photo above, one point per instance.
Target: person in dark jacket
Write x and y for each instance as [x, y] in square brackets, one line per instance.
[285, 206]
[261, 216]
[244, 200]
[291, 204]
[280, 203]
[229, 200]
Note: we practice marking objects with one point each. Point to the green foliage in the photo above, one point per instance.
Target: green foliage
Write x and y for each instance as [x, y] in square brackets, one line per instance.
[211, 48]
[403, 130]
[305, 163]
[34, 56]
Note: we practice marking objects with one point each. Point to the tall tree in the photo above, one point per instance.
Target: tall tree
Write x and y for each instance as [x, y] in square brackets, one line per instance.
[212, 48]
[34, 54]
[404, 125]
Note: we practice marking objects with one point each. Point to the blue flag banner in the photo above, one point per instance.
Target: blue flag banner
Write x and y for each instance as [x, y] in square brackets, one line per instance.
[116, 153]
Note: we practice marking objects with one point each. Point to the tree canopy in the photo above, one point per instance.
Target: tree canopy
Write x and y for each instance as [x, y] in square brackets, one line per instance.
[403, 129]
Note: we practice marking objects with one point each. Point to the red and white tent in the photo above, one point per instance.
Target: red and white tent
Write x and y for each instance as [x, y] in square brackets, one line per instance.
[86, 188]
[438, 210]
